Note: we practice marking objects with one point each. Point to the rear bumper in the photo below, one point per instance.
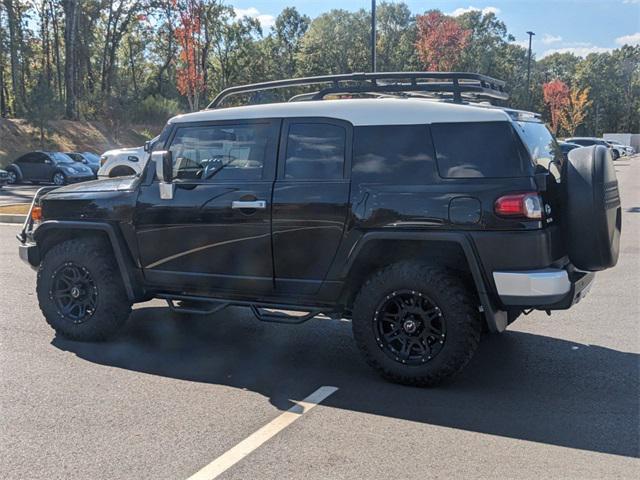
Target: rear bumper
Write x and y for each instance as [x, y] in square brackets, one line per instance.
[548, 288]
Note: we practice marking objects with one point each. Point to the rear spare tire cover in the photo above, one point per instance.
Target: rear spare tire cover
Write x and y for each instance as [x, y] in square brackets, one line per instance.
[594, 214]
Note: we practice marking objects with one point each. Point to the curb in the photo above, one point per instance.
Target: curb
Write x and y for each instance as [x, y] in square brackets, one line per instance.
[12, 218]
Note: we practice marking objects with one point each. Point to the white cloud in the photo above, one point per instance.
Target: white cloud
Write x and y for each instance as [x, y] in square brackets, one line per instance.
[460, 11]
[579, 51]
[633, 39]
[630, 1]
[521, 43]
[265, 20]
[548, 39]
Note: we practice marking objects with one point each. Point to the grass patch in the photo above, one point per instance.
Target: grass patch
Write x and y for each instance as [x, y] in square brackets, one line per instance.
[15, 209]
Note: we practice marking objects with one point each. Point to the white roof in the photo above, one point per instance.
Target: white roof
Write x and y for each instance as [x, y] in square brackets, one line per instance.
[366, 111]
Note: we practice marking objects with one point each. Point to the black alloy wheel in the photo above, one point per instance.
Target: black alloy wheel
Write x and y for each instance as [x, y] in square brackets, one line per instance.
[74, 293]
[410, 328]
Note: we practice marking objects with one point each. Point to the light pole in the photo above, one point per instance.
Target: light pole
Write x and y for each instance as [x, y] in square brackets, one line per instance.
[373, 35]
[531, 34]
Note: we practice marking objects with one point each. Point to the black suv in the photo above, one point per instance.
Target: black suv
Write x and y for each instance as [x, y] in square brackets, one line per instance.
[420, 216]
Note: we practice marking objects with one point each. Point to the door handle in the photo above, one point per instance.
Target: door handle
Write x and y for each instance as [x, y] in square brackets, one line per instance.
[253, 204]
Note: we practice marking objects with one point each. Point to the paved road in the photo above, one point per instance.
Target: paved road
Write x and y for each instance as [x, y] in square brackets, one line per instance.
[554, 397]
[18, 193]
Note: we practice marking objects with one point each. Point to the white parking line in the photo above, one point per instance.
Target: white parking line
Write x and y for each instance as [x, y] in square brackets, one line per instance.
[253, 441]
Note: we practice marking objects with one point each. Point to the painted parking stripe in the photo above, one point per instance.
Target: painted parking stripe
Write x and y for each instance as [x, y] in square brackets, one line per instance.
[253, 441]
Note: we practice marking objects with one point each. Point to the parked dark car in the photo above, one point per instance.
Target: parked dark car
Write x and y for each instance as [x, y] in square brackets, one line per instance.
[566, 147]
[91, 160]
[56, 167]
[4, 178]
[590, 141]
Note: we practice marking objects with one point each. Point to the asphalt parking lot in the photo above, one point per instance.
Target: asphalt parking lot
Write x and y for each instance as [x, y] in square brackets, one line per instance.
[10, 194]
[553, 397]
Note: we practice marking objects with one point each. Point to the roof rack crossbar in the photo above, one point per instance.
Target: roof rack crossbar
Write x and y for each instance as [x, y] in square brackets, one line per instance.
[455, 83]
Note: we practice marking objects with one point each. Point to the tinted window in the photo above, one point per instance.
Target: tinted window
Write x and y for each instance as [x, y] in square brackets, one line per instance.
[479, 149]
[540, 143]
[315, 151]
[28, 158]
[398, 154]
[222, 152]
[583, 142]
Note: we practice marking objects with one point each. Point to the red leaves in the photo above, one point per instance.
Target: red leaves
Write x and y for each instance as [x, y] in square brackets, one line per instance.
[189, 35]
[441, 41]
[556, 97]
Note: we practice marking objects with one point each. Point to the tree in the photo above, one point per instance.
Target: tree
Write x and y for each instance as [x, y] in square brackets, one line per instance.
[396, 38]
[556, 97]
[288, 30]
[336, 42]
[189, 35]
[441, 41]
[575, 110]
[41, 106]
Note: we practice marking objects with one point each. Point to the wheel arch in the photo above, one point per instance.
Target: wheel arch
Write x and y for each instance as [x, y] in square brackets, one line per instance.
[121, 171]
[16, 169]
[53, 232]
[451, 250]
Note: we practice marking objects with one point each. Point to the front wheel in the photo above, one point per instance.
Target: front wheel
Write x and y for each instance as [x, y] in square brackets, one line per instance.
[80, 290]
[59, 179]
[416, 324]
[12, 177]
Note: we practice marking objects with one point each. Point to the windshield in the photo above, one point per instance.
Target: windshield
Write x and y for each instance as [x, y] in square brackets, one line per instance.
[92, 157]
[61, 157]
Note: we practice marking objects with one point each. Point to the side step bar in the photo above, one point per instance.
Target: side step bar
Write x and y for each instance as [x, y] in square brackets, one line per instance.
[210, 306]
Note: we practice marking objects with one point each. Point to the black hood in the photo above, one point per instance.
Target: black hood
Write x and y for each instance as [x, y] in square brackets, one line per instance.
[117, 184]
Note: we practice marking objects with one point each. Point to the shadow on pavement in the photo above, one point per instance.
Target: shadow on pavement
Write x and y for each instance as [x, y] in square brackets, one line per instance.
[519, 385]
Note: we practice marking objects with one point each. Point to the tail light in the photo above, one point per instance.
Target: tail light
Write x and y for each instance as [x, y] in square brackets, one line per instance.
[519, 205]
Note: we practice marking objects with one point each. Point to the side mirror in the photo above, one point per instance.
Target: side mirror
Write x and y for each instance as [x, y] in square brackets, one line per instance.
[147, 146]
[85, 161]
[164, 168]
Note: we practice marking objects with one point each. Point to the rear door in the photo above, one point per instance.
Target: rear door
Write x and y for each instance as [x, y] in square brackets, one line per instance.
[310, 201]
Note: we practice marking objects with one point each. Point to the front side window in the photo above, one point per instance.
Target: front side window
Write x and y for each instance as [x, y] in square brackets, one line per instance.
[221, 152]
[479, 149]
[315, 151]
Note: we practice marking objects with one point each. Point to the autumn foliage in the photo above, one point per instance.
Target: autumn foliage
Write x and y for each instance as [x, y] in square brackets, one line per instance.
[575, 111]
[189, 81]
[556, 97]
[441, 41]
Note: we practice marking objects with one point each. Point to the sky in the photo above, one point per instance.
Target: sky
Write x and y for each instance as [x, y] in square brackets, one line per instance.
[578, 26]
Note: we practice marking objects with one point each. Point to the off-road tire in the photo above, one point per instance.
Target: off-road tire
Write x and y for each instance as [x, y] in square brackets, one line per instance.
[457, 304]
[112, 306]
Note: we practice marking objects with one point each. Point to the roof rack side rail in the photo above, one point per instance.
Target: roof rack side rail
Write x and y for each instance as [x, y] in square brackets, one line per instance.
[455, 83]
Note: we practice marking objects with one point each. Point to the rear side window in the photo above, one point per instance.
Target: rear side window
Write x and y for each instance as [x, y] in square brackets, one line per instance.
[315, 151]
[479, 149]
[394, 154]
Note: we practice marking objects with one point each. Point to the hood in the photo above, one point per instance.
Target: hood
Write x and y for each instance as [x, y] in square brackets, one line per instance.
[117, 184]
[118, 151]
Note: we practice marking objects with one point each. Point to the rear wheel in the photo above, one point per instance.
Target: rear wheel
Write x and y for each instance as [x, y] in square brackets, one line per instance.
[80, 290]
[416, 324]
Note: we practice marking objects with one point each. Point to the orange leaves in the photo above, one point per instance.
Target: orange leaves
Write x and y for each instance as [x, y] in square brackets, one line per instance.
[568, 106]
[189, 34]
[441, 41]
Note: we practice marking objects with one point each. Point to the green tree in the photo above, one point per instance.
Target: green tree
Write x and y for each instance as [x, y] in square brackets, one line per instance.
[42, 107]
[336, 42]
[396, 38]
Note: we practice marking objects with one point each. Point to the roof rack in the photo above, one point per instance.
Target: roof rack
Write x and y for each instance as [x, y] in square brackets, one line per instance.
[455, 85]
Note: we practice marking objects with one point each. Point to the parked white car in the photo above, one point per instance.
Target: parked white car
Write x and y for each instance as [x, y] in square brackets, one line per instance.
[122, 162]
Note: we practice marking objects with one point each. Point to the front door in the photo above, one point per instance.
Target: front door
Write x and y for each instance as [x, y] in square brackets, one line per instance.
[310, 201]
[215, 234]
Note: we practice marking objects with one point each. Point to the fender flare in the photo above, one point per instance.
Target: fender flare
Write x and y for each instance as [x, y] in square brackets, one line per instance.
[114, 239]
[496, 319]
